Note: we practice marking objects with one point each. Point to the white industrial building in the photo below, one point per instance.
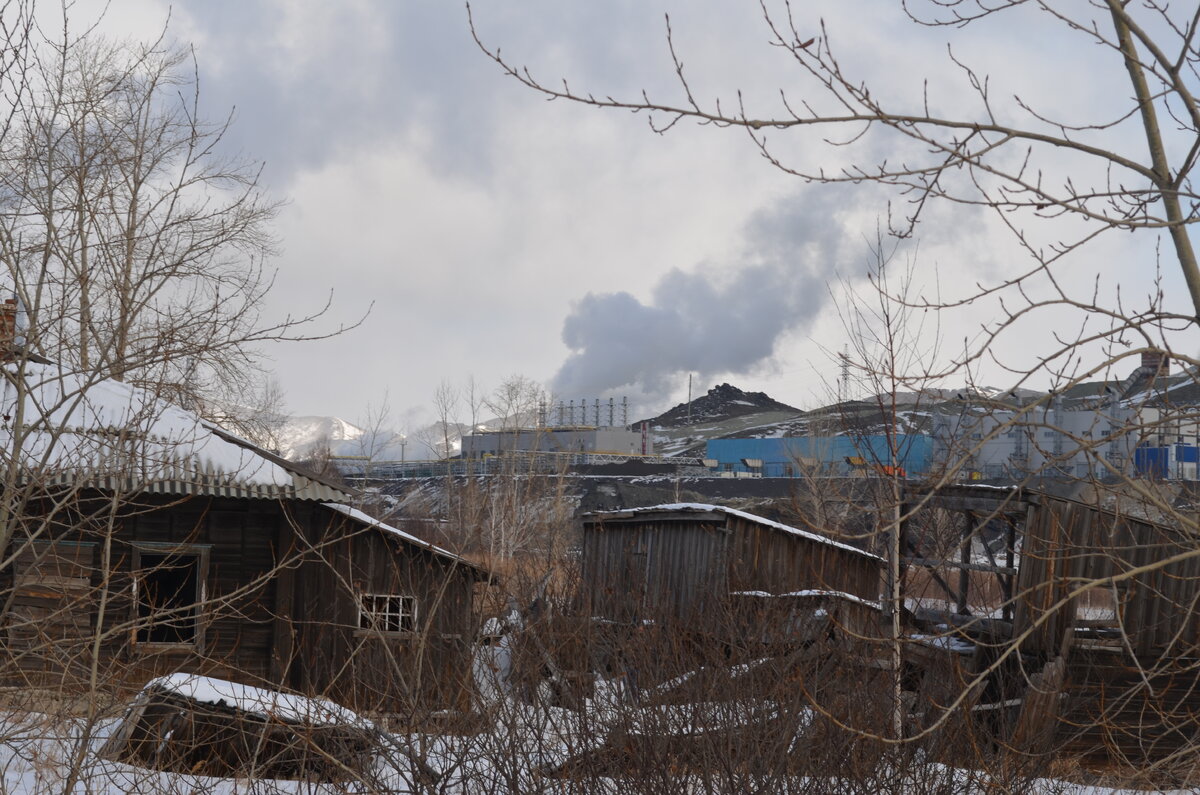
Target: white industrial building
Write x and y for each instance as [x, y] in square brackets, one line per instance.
[1066, 436]
[593, 440]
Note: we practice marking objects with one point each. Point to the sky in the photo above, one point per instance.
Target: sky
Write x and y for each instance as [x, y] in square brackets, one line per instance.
[479, 231]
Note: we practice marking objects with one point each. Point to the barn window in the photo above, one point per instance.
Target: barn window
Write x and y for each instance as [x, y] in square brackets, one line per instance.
[387, 612]
[169, 594]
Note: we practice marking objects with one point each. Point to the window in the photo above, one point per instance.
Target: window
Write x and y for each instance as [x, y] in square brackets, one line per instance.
[387, 613]
[168, 594]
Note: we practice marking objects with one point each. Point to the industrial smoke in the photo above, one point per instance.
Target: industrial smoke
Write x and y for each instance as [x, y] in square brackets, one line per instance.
[716, 319]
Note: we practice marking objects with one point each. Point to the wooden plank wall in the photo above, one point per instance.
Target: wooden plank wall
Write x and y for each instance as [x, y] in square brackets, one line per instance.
[1116, 711]
[1067, 546]
[679, 566]
[304, 636]
[405, 674]
[654, 568]
[768, 559]
[240, 537]
[49, 630]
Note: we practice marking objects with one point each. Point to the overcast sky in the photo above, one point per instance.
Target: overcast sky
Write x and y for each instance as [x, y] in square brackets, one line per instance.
[493, 233]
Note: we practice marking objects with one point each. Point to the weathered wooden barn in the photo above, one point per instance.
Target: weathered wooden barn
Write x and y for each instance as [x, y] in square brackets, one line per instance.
[144, 541]
[679, 561]
[1044, 624]
[1085, 621]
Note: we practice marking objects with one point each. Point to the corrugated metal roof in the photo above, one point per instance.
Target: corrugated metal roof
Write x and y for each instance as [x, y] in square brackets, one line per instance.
[79, 430]
[301, 489]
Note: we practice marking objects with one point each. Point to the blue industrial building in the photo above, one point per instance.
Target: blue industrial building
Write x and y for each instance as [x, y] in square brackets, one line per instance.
[797, 456]
[1168, 462]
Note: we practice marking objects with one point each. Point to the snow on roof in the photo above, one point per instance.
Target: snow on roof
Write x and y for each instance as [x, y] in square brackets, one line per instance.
[699, 507]
[65, 423]
[371, 521]
[812, 592]
[257, 701]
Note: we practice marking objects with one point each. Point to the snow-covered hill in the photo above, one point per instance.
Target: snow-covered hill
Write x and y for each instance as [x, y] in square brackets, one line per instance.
[299, 437]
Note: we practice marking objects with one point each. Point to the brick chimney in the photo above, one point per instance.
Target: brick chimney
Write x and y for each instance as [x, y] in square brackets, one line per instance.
[8, 329]
[1155, 363]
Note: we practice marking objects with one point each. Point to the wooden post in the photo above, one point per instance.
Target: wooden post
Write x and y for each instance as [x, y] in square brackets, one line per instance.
[1009, 552]
[282, 641]
[964, 555]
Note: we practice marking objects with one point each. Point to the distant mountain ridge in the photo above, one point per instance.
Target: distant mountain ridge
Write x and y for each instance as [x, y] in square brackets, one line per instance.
[299, 437]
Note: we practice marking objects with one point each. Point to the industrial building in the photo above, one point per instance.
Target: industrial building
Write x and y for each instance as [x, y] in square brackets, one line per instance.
[597, 427]
[996, 443]
[559, 439]
[837, 456]
[1144, 427]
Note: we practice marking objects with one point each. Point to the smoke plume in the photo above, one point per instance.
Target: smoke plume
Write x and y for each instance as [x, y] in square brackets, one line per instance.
[715, 320]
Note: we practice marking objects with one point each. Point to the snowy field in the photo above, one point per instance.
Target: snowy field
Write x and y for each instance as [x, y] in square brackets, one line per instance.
[44, 755]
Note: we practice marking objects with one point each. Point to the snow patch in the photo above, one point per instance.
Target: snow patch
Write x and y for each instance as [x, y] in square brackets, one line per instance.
[257, 701]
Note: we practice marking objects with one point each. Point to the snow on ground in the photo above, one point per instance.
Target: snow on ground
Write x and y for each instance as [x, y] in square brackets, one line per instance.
[38, 753]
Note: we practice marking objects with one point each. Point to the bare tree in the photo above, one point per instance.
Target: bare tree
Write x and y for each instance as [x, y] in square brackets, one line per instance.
[136, 248]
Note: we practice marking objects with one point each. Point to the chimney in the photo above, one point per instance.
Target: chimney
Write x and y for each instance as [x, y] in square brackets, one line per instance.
[8, 329]
[1156, 363]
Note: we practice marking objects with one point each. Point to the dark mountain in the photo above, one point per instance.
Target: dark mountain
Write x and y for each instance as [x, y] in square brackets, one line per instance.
[720, 403]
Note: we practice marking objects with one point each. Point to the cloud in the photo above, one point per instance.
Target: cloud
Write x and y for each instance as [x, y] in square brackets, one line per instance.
[715, 319]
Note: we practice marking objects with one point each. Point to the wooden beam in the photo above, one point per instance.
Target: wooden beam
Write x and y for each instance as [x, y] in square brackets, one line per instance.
[937, 578]
[998, 506]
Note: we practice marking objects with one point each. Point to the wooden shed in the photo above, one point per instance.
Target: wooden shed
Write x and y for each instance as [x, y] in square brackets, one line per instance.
[677, 561]
[203, 726]
[146, 541]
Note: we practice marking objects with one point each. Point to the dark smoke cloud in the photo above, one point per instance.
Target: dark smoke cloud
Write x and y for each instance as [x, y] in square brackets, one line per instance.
[714, 320]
